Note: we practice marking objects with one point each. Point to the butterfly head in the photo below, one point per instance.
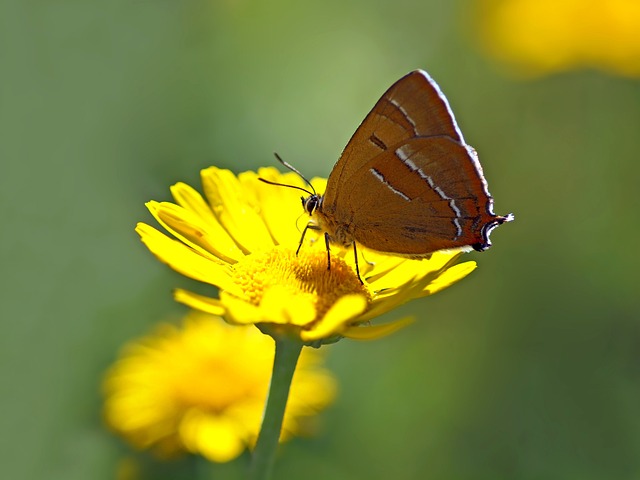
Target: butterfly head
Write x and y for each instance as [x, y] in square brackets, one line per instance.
[311, 203]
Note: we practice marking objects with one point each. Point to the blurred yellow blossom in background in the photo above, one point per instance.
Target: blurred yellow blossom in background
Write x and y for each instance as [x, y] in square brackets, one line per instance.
[201, 388]
[539, 37]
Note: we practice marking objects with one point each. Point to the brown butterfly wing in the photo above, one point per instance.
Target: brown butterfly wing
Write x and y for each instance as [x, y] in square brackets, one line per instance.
[406, 182]
[413, 106]
[428, 197]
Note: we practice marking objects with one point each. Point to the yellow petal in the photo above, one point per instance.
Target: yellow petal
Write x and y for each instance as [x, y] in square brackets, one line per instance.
[404, 272]
[334, 321]
[239, 311]
[208, 239]
[282, 306]
[394, 297]
[319, 184]
[279, 207]
[214, 437]
[372, 332]
[184, 260]
[199, 302]
[227, 200]
[189, 198]
[432, 282]
[450, 276]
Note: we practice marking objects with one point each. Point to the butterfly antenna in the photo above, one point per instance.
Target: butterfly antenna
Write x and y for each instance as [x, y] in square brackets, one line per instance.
[295, 170]
[285, 185]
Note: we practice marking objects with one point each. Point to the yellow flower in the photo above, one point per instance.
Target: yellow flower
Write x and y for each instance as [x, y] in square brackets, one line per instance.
[201, 388]
[545, 36]
[243, 240]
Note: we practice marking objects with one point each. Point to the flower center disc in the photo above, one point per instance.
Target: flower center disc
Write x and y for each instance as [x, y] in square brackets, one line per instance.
[303, 274]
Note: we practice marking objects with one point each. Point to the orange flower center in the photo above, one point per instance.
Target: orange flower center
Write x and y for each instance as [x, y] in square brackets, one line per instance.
[302, 274]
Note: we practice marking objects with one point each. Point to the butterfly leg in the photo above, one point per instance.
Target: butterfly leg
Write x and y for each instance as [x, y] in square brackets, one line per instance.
[355, 255]
[326, 242]
[310, 226]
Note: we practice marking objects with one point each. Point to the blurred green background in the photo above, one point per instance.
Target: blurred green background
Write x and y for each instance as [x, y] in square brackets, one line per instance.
[529, 368]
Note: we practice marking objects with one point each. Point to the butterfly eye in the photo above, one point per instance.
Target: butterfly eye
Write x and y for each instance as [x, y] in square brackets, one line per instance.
[310, 204]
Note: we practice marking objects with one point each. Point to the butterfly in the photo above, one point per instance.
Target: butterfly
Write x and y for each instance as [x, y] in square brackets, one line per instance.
[406, 183]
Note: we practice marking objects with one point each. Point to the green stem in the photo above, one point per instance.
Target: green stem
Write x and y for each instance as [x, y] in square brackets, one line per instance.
[284, 364]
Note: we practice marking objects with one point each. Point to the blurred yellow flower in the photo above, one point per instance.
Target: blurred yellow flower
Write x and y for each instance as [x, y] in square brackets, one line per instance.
[243, 240]
[545, 36]
[201, 388]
